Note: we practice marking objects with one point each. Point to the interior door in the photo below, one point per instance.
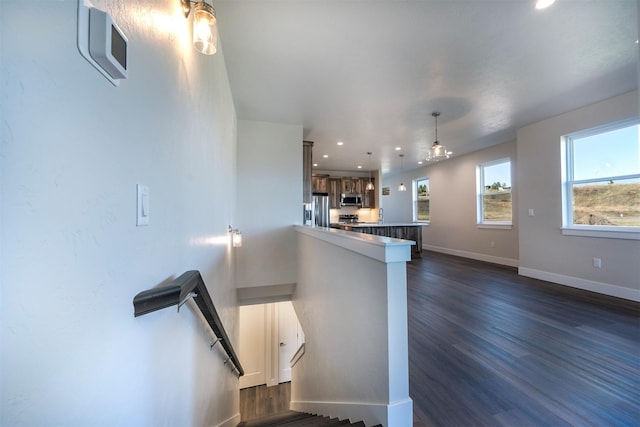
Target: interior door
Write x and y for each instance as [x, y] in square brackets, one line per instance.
[288, 327]
[251, 347]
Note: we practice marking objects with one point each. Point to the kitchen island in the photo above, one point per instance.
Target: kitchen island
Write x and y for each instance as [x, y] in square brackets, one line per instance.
[405, 231]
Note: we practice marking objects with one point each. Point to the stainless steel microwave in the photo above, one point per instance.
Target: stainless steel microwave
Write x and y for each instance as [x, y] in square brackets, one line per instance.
[351, 200]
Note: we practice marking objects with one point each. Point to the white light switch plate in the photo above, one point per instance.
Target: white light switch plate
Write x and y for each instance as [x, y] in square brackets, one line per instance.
[142, 207]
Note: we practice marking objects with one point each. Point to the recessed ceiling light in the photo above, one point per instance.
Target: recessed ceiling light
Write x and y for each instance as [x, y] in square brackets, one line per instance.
[420, 162]
[542, 4]
[325, 156]
[398, 148]
[315, 165]
[340, 143]
[359, 166]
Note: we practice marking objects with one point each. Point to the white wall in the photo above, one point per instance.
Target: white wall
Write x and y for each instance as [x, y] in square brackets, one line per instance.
[544, 252]
[269, 202]
[453, 226]
[73, 147]
[352, 306]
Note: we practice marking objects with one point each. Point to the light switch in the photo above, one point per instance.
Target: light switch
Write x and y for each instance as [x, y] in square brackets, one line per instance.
[531, 212]
[142, 205]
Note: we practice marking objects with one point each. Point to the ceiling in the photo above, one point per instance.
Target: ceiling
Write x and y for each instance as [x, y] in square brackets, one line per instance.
[369, 73]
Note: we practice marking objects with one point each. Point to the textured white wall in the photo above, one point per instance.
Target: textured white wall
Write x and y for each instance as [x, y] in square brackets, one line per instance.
[453, 226]
[269, 202]
[73, 147]
[342, 295]
[544, 251]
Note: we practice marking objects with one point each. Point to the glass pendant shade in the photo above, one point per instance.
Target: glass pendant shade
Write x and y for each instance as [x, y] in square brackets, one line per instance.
[205, 32]
[437, 152]
[402, 187]
[370, 185]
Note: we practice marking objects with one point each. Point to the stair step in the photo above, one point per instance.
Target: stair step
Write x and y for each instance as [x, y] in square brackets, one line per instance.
[297, 419]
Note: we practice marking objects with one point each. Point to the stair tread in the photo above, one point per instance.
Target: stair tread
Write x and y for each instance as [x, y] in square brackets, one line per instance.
[279, 419]
[297, 419]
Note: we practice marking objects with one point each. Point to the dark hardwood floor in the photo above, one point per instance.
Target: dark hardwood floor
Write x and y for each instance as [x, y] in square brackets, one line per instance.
[261, 401]
[489, 348]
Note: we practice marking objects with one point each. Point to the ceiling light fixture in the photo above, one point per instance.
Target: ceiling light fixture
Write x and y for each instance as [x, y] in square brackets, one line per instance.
[402, 187]
[437, 152]
[543, 4]
[370, 185]
[205, 31]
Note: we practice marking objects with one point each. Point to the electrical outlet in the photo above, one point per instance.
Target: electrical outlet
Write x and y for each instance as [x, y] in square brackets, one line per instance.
[597, 262]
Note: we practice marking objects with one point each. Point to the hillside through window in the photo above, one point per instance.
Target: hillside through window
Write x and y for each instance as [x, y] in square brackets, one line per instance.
[602, 179]
[421, 200]
[494, 193]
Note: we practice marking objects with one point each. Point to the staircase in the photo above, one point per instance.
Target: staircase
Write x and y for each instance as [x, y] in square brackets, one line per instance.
[296, 419]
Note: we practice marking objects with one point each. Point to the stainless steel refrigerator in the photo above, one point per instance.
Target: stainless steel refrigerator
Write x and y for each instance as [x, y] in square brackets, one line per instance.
[321, 209]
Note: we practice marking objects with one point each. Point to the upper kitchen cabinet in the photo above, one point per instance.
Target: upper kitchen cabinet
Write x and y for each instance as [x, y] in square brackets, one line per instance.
[368, 196]
[334, 186]
[352, 185]
[319, 183]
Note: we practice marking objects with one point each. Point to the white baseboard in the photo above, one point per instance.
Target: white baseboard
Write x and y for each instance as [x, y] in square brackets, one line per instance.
[587, 285]
[398, 414]
[231, 422]
[473, 255]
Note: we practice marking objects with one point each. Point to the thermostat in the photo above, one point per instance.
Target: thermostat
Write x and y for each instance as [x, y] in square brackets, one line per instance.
[107, 44]
[102, 42]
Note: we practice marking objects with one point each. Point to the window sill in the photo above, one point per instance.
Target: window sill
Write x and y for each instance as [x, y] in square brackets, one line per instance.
[496, 226]
[606, 233]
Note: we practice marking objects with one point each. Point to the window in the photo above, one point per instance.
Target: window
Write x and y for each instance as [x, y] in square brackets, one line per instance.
[494, 194]
[602, 181]
[421, 200]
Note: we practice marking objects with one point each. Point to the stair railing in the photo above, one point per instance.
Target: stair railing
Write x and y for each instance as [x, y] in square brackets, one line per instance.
[188, 285]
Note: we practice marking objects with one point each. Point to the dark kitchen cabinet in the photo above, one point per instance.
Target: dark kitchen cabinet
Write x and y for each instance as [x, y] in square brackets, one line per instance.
[368, 196]
[352, 185]
[319, 183]
[334, 185]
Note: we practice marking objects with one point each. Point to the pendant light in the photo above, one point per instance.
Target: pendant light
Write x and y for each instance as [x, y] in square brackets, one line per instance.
[437, 152]
[370, 185]
[402, 187]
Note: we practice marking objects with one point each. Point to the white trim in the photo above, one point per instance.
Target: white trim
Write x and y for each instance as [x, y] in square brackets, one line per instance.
[271, 346]
[473, 255]
[233, 421]
[396, 414]
[588, 285]
[601, 233]
[298, 355]
[496, 225]
[380, 248]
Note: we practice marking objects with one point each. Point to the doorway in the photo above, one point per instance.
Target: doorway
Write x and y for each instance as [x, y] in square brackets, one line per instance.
[270, 335]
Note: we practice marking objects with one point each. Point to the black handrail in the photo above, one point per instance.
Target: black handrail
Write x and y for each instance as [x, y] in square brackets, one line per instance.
[189, 284]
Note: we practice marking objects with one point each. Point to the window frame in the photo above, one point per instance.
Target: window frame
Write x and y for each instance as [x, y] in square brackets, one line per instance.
[480, 222]
[415, 200]
[568, 228]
